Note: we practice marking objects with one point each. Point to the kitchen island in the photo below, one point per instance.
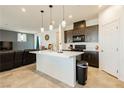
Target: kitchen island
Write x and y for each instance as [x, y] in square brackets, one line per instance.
[61, 66]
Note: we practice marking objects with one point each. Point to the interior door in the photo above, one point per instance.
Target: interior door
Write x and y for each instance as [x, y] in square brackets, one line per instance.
[110, 47]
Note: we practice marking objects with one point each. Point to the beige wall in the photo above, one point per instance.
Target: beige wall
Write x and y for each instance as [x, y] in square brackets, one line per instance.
[52, 37]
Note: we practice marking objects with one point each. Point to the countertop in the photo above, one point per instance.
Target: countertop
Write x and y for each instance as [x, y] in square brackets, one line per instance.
[83, 50]
[53, 53]
[90, 50]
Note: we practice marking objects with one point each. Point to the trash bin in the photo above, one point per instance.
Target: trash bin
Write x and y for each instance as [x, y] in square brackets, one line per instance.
[82, 72]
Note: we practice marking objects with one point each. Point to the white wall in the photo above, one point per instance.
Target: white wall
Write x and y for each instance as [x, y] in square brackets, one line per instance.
[52, 37]
[106, 16]
[92, 22]
[0, 19]
[88, 23]
[121, 66]
[69, 27]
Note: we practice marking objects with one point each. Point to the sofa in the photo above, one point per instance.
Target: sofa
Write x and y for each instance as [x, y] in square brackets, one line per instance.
[6, 60]
[14, 59]
[18, 58]
[28, 58]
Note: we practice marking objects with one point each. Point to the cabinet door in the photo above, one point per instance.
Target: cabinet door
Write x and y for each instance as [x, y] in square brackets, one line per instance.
[110, 44]
[91, 34]
[92, 58]
[86, 56]
[65, 36]
[80, 24]
[79, 32]
[68, 36]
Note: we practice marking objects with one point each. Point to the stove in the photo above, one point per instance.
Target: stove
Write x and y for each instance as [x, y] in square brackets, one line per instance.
[79, 48]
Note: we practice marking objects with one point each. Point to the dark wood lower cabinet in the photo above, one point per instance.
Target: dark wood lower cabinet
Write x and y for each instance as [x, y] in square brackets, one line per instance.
[92, 57]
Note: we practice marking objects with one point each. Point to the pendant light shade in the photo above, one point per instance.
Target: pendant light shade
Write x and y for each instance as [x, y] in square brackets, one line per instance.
[63, 21]
[42, 28]
[50, 25]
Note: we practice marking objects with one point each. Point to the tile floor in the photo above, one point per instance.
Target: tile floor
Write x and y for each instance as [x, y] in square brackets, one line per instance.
[28, 77]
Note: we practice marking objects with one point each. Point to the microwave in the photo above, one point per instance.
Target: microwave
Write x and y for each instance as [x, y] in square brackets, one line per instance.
[79, 38]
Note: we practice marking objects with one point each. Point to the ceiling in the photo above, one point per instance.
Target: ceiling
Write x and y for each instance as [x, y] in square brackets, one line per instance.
[14, 19]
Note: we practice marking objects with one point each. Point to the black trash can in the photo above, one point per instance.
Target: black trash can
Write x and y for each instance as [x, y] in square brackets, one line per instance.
[82, 69]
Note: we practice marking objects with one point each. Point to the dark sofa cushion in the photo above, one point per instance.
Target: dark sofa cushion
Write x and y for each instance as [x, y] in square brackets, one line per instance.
[13, 59]
[18, 58]
[29, 58]
[6, 60]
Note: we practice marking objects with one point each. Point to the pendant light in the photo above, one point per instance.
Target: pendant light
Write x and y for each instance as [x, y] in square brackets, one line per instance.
[42, 28]
[63, 21]
[50, 25]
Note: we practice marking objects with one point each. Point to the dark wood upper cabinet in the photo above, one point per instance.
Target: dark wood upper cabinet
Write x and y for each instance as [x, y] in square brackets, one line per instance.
[79, 32]
[65, 36]
[90, 32]
[68, 36]
[80, 25]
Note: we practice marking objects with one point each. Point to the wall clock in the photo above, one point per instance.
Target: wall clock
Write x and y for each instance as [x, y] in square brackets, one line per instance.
[46, 37]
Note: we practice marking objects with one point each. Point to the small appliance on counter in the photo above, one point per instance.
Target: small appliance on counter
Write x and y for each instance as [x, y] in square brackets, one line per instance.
[70, 47]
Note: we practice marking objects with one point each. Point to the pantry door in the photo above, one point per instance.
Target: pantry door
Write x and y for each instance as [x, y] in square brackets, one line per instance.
[109, 41]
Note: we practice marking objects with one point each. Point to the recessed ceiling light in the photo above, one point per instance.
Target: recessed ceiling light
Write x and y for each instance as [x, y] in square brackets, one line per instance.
[70, 16]
[100, 6]
[23, 9]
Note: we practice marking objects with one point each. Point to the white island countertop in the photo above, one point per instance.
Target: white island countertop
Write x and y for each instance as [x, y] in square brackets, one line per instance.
[67, 54]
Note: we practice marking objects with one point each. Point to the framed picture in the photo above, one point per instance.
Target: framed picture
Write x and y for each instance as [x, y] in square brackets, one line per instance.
[46, 37]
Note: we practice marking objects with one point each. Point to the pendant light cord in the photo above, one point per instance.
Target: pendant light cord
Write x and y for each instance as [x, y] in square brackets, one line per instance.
[42, 16]
[63, 13]
[42, 19]
[50, 14]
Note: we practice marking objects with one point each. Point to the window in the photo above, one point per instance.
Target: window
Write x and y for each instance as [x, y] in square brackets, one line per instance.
[21, 37]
